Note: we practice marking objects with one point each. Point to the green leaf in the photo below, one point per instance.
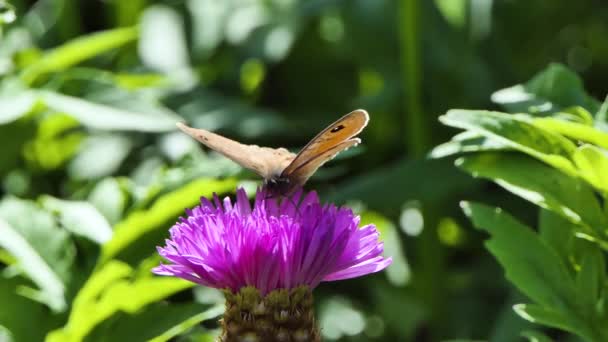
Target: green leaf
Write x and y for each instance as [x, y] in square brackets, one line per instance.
[540, 184]
[550, 90]
[187, 324]
[555, 319]
[81, 218]
[575, 114]
[592, 163]
[13, 137]
[7, 13]
[467, 142]
[530, 264]
[99, 156]
[559, 233]
[109, 291]
[508, 324]
[562, 87]
[109, 198]
[162, 44]
[166, 208]
[104, 117]
[43, 251]
[591, 277]
[517, 133]
[454, 11]
[535, 336]
[137, 81]
[207, 25]
[18, 312]
[14, 106]
[56, 142]
[169, 320]
[78, 50]
[573, 130]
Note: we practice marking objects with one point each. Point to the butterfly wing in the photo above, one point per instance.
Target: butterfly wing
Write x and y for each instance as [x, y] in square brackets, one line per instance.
[300, 175]
[265, 161]
[334, 139]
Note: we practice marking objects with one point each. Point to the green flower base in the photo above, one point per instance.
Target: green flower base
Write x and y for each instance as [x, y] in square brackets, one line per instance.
[282, 315]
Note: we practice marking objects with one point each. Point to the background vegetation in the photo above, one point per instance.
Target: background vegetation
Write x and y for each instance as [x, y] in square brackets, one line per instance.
[93, 172]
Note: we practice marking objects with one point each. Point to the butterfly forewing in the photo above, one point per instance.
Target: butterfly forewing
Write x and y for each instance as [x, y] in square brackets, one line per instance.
[300, 175]
[265, 161]
[335, 138]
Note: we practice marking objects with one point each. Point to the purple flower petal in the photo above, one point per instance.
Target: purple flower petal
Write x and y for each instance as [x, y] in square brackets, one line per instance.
[276, 244]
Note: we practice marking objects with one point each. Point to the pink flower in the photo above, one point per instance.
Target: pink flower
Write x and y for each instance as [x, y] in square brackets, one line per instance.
[272, 246]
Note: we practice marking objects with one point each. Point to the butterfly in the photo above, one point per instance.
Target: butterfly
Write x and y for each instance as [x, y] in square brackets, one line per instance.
[283, 171]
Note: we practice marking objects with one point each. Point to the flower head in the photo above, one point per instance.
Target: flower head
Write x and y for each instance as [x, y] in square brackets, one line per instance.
[274, 245]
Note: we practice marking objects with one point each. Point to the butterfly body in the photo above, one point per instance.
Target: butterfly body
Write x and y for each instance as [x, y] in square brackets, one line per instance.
[283, 171]
[278, 186]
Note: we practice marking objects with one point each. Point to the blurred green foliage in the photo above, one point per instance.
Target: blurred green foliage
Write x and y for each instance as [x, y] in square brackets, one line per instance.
[93, 172]
[551, 153]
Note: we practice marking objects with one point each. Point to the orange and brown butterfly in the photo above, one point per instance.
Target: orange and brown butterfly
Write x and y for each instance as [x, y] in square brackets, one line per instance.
[283, 171]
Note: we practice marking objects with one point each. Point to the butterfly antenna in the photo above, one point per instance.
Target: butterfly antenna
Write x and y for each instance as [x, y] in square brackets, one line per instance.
[282, 198]
[295, 206]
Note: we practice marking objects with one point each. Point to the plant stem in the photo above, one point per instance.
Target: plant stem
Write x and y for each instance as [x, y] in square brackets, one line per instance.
[416, 128]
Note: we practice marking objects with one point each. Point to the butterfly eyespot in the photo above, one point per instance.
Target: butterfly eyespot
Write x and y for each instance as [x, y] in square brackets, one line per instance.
[337, 128]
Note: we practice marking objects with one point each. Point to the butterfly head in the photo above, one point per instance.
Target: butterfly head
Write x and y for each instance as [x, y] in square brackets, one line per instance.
[278, 186]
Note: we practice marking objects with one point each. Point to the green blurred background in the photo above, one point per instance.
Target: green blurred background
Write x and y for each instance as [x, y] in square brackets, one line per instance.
[88, 141]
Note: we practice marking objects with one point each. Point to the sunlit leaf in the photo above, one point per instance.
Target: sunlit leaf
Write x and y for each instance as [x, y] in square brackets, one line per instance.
[454, 11]
[164, 209]
[7, 13]
[516, 133]
[109, 291]
[79, 217]
[170, 321]
[15, 106]
[467, 142]
[574, 130]
[99, 156]
[592, 163]
[109, 198]
[162, 44]
[43, 251]
[208, 17]
[540, 184]
[104, 117]
[136, 81]
[55, 143]
[78, 50]
[187, 324]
